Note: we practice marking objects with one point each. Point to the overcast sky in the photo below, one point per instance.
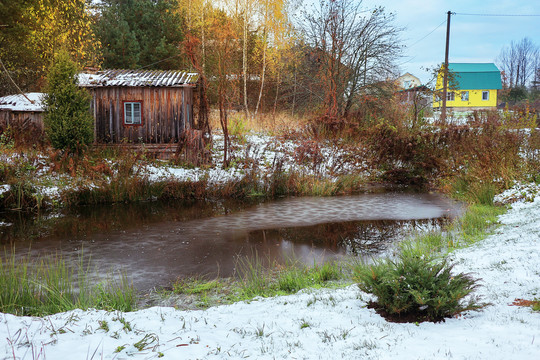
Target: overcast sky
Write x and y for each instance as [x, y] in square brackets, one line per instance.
[472, 38]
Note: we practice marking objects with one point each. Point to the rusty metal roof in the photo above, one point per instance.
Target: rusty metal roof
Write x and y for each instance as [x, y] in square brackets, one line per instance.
[172, 78]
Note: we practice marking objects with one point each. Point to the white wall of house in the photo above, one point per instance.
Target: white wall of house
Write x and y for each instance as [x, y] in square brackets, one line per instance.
[407, 81]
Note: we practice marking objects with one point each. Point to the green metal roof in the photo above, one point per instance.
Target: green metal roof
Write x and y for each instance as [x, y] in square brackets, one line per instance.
[476, 76]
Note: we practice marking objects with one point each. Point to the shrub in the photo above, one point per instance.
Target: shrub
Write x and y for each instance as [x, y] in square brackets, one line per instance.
[68, 122]
[417, 288]
[403, 155]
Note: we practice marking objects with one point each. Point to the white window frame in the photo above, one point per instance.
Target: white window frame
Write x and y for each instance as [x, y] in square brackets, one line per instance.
[450, 96]
[130, 113]
[464, 96]
[486, 93]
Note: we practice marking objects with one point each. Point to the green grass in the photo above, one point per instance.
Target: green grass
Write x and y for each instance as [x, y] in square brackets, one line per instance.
[254, 279]
[475, 224]
[196, 285]
[257, 278]
[48, 285]
[474, 192]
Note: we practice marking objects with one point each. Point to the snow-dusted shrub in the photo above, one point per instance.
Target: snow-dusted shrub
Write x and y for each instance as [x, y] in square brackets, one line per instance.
[418, 288]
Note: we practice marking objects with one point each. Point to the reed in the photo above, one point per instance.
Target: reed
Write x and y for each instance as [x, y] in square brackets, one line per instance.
[258, 278]
[477, 222]
[49, 285]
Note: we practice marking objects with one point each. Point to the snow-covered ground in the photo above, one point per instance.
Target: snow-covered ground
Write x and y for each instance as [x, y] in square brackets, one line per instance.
[315, 324]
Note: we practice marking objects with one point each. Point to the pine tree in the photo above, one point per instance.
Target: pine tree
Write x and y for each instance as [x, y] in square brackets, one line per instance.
[140, 33]
[68, 122]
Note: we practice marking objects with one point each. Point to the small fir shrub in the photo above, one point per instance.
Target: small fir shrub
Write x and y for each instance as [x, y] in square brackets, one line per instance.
[68, 122]
[418, 288]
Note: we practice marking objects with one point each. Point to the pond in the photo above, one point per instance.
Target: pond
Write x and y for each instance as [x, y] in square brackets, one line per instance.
[154, 243]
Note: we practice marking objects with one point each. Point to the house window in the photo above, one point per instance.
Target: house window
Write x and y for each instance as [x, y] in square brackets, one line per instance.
[132, 113]
[464, 96]
[450, 96]
[485, 95]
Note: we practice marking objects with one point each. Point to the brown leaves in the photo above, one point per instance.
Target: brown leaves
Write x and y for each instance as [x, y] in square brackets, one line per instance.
[525, 303]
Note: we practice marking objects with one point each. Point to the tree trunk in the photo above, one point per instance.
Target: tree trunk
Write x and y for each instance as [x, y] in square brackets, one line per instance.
[263, 72]
[224, 126]
[244, 58]
[278, 82]
[294, 92]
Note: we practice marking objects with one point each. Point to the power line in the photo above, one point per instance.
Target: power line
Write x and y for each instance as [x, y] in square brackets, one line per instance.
[431, 32]
[157, 62]
[520, 15]
[422, 38]
[9, 76]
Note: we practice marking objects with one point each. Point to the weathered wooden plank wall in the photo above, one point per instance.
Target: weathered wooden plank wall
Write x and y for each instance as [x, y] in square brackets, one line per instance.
[21, 119]
[26, 127]
[164, 111]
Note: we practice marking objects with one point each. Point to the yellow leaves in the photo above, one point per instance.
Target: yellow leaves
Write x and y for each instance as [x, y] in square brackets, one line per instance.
[61, 24]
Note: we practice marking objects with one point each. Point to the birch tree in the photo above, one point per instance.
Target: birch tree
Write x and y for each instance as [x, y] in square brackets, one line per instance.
[275, 39]
[518, 62]
[355, 47]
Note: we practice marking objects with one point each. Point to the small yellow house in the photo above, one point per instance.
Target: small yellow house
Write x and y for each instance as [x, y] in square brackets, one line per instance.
[471, 86]
[408, 81]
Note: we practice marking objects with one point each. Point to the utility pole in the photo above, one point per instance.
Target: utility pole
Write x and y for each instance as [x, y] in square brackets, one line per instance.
[445, 74]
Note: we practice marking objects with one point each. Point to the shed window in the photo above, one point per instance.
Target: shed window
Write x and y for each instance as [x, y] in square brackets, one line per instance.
[464, 96]
[132, 113]
[450, 96]
[485, 95]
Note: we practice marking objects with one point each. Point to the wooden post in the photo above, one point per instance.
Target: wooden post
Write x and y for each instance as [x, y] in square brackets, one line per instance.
[445, 74]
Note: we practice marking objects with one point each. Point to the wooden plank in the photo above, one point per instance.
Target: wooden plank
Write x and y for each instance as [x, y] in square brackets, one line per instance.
[167, 113]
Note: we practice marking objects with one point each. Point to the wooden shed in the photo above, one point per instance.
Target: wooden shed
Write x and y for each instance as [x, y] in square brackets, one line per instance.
[23, 115]
[140, 106]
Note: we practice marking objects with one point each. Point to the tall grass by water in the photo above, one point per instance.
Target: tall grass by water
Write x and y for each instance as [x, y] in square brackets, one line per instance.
[256, 276]
[49, 285]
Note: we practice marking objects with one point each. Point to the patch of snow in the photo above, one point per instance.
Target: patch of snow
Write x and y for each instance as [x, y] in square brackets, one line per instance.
[526, 192]
[314, 324]
[4, 188]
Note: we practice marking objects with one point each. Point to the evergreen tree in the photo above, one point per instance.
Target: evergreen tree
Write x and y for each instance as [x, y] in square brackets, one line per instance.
[68, 122]
[140, 33]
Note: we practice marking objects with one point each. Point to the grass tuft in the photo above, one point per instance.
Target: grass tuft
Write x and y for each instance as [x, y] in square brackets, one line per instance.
[47, 286]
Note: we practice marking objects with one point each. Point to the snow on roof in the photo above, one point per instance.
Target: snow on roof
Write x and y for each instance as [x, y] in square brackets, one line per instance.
[173, 78]
[27, 102]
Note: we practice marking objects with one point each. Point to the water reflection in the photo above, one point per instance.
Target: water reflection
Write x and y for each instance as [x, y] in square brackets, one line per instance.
[156, 242]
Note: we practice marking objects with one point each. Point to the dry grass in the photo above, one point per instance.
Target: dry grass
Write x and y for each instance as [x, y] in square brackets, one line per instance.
[278, 123]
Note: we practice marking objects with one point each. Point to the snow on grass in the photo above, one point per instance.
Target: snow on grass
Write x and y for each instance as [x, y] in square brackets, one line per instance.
[262, 151]
[313, 324]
